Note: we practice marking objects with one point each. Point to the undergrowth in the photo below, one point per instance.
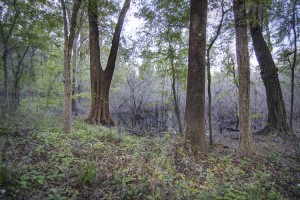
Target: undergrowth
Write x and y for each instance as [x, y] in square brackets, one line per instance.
[38, 161]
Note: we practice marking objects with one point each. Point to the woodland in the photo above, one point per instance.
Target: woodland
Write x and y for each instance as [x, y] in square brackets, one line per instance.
[149, 99]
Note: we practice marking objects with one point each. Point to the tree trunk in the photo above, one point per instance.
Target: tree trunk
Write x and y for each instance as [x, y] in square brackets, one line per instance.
[32, 76]
[6, 100]
[176, 104]
[292, 96]
[173, 85]
[209, 75]
[195, 99]
[67, 126]
[99, 112]
[245, 139]
[209, 99]
[5, 41]
[101, 79]
[18, 71]
[69, 35]
[75, 74]
[16, 93]
[275, 102]
[294, 63]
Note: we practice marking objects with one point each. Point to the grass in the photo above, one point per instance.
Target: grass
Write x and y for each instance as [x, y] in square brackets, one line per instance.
[38, 161]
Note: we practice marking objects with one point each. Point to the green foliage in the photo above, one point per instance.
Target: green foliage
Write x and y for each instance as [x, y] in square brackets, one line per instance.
[21, 123]
[233, 194]
[27, 30]
[273, 158]
[87, 172]
[166, 49]
[3, 174]
[92, 160]
[56, 195]
[85, 95]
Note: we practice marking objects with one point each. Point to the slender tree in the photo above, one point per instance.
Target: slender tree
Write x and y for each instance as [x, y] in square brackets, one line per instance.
[171, 57]
[293, 66]
[210, 45]
[77, 57]
[75, 73]
[101, 79]
[286, 20]
[245, 139]
[6, 31]
[175, 96]
[69, 35]
[275, 102]
[195, 100]
[166, 47]
[18, 71]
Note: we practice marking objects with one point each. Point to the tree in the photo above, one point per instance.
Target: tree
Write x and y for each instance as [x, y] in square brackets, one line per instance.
[212, 42]
[175, 96]
[69, 35]
[195, 99]
[166, 27]
[6, 30]
[293, 66]
[76, 63]
[18, 70]
[286, 22]
[75, 73]
[245, 139]
[101, 79]
[25, 30]
[275, 102]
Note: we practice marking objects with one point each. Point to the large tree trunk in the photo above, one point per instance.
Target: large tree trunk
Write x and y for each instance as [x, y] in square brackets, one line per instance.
[245, 140]
[69, 35]
[195, 99]
[275, 102]
[99, 112]
[101, 79]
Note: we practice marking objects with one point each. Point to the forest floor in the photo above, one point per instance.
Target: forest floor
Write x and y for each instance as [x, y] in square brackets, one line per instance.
[38, 161]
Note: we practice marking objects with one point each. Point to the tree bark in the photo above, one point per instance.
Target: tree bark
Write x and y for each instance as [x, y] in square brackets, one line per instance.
[195, 101]
[245, 139]
[101, 79]
[275, 102]
[69, 35]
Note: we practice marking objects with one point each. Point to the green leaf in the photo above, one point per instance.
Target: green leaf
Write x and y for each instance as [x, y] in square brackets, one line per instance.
[40, 181]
